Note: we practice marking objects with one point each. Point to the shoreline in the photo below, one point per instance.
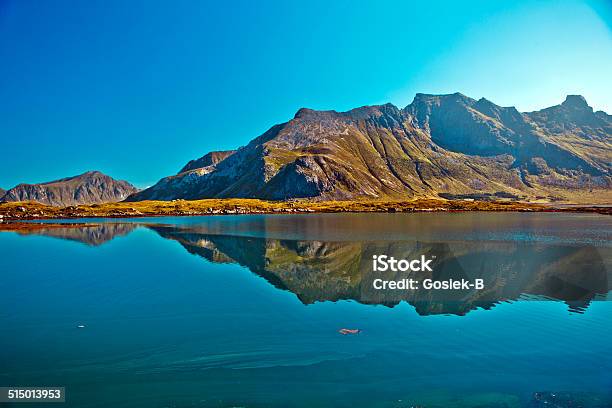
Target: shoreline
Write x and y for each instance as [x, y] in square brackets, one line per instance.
[18, 211]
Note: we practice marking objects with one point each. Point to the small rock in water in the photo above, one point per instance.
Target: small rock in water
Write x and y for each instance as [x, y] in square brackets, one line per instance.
[568, 400]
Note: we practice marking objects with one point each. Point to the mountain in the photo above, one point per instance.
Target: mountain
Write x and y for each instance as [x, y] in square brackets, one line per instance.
[92, 187]
[2, 193]
[451, 146]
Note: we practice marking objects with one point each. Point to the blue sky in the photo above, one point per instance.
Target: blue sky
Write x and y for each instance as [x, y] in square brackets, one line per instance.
[136, 89]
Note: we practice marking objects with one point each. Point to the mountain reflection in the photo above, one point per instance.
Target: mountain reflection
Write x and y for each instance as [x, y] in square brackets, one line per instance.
[321, 271]
[89, 234]
[332, 270]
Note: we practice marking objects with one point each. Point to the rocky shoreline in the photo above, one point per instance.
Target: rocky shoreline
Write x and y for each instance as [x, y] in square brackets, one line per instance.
[32, 211]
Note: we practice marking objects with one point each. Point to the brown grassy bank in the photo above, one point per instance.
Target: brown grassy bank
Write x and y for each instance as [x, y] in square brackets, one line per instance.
[31, 210]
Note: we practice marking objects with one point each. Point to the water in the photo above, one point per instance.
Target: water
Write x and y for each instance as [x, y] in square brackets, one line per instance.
[245, 311]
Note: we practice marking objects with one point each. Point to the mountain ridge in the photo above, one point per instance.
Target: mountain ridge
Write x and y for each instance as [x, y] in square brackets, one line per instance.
[437, 145]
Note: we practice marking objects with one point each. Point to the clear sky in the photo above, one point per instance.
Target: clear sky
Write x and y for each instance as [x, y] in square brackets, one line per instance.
[137, 88]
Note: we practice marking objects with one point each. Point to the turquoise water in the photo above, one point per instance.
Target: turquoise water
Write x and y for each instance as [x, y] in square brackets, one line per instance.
[245, 311]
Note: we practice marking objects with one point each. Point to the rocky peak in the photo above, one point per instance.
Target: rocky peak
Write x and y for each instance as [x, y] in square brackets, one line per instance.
[390, 109]
[573, 116]
[457, 96]
[89, 176]
[375, 112]
[303, 112]
[209, 159]
[509, 116]
[576, 102]
[423, 104]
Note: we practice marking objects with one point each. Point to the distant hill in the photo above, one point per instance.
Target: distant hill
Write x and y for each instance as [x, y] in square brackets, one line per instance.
[92, 187]
[2, 193]
[440, 145]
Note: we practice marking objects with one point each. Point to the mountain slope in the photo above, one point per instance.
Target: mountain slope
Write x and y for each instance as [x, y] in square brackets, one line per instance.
[2, 193]
[209, 159]
[447, 145]
[92, 187]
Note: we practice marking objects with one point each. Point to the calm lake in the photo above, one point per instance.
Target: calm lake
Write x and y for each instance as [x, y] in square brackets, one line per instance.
[245, 310]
